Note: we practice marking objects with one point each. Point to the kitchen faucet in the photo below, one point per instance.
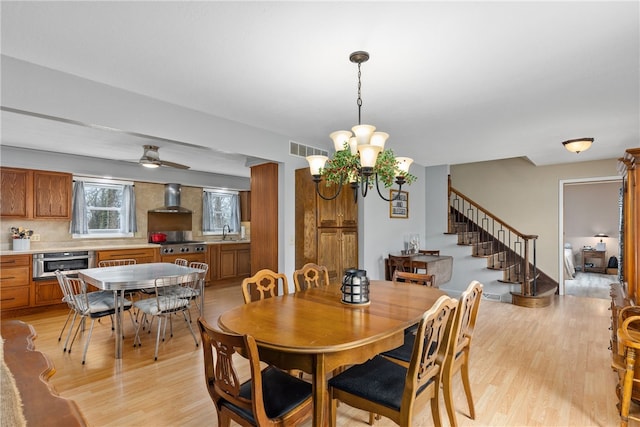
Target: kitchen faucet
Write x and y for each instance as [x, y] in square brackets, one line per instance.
[225, 229]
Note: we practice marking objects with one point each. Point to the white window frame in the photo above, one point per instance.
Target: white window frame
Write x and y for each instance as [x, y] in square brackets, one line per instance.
[219, 232]
[103, 234]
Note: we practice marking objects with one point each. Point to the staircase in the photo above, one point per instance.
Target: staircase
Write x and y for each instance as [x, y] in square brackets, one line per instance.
[504, 248]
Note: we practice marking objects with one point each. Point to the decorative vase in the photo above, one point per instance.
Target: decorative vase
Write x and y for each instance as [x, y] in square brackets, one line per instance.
[21, 244]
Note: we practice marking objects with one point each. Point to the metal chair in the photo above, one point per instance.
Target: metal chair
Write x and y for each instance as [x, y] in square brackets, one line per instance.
[310, 276]
[88, 305]
[263, 284]
[194, 291]
[164, 304]
[181, 261]
[269, 398]
[383, 387]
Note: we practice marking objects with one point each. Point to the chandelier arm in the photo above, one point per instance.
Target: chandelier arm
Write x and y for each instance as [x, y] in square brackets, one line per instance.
[317, 180]
[364, 185]
[384, 198]
[354, 188]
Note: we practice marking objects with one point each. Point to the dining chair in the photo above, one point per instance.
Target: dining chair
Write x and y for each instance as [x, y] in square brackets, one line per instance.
[263, 284]
[69, 303]
[310, 276]
[88, 305]
[270, 397]
[163, 305]
[400, 263]
[194, 291]
[116, 262]
[181, 261]
[457, 359]
[415, 278]
[383, 387]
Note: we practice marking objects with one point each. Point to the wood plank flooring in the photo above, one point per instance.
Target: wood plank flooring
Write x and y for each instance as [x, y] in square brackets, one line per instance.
[529, 367]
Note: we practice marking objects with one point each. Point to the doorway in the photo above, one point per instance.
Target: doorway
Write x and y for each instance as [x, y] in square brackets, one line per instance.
[587, 207]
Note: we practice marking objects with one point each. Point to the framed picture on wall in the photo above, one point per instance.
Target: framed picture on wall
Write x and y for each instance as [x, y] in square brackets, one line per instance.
[399, 204]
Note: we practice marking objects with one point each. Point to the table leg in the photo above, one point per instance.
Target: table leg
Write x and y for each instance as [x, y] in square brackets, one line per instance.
[118, 300]
[320, 395]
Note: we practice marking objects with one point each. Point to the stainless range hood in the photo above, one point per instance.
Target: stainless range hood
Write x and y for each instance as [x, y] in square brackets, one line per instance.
[171, 200]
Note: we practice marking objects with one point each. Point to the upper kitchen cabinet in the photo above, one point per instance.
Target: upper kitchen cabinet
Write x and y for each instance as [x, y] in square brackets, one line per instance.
[245, 206]
[16, 196]
[339, 212]
[35, 194]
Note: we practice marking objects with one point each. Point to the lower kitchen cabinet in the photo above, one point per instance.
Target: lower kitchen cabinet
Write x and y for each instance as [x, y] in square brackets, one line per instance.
[15, 281]
[47, 292]
[141, 255]
[229, 262]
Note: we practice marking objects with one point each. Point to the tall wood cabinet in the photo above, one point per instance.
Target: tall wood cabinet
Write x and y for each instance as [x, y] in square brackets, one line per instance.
[326, 230]
[35, 194]
[629, 168]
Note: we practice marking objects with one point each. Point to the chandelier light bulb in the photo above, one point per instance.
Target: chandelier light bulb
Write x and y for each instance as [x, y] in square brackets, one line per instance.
[379, 138]
[339, 138]
[316, 163]
[368, 155]
[363, 133]
[403, 165]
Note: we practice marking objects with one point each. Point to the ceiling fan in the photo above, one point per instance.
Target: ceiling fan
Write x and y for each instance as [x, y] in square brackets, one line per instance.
[151, 159]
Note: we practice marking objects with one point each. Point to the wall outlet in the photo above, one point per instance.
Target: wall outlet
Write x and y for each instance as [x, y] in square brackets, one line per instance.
[35, 237]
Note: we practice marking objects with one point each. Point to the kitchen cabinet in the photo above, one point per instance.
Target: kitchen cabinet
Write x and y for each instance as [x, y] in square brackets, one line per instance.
[15, 281]
[245, 206]
[35, 194]
[141, 255]
[339, 250]
[230, 262]
[326, 230]
[339, 212]
[47, 292]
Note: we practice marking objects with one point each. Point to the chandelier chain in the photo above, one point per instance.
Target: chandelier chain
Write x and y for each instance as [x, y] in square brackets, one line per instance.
[359, 94]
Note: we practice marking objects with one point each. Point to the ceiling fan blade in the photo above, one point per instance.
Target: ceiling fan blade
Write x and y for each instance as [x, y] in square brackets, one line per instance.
[173, 165]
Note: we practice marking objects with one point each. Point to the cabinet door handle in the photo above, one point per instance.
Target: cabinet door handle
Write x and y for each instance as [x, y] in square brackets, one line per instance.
[7, 277]
[8, 299]
[13, 261]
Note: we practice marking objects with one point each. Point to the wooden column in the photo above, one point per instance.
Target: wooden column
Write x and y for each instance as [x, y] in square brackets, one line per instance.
[264, 218]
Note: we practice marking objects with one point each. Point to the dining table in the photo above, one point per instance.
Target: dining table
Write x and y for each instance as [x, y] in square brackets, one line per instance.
[123, 278]
[314, 331]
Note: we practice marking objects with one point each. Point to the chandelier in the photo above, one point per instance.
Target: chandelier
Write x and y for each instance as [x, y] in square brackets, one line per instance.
[360, 158]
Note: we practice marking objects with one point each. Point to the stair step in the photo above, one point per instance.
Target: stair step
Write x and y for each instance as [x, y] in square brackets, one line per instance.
[546, 293]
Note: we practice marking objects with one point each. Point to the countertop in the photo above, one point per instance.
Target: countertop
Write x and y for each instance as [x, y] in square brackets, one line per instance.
[73, 246]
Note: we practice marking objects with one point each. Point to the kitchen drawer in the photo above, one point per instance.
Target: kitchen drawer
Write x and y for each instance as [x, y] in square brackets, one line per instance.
[14, 276]
[14, 297]
[141, 255]
[7, 261]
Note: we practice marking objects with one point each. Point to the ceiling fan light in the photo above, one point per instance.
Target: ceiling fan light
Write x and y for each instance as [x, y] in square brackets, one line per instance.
[578, 145]
[148, 164]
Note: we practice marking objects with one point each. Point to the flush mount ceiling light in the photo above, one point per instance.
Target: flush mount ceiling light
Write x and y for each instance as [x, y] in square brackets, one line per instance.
[360, 157]
[578, 145]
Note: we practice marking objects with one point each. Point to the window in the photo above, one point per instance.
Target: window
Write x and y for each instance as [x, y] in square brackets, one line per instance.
[103, 208]
[220, 208]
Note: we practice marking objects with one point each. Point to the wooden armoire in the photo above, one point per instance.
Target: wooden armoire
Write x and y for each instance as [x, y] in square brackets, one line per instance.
[326, 230]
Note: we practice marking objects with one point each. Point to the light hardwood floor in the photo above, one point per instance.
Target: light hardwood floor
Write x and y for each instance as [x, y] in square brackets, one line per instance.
[529, 367]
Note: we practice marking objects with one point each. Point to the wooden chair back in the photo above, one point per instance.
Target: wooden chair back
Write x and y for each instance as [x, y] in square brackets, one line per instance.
[311, 276]
[116, 262]
[415, 278]
[435, 252]
[457, 359]
[263, 284]
[399, 263]
[221, 352]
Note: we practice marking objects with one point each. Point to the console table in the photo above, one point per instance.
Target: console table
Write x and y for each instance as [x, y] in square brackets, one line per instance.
[594, 261]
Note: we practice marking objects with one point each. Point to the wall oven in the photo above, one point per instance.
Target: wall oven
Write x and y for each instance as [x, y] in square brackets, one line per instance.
[45, 264]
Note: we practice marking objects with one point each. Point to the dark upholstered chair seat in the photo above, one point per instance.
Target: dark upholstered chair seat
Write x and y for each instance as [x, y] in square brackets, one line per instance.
[378, 380]
[283, 393]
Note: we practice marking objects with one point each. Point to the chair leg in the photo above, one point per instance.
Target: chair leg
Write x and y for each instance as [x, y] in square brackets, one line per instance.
[86, 344]
[73, 321]
[155, 357]
[435, 406]
[447, 393]
[71, 311]
[464, 373]
[192, 333]
[627, 386]
[80, 326]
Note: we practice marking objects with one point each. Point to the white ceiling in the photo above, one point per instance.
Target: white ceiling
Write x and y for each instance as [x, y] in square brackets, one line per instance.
[451, 82]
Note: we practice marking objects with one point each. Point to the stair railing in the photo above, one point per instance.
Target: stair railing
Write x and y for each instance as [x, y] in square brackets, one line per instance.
[511, 251]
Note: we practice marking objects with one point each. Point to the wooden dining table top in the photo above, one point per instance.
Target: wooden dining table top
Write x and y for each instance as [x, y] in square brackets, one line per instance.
[316, 320]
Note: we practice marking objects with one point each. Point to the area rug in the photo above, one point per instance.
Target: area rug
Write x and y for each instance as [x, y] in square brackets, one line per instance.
[10, 396]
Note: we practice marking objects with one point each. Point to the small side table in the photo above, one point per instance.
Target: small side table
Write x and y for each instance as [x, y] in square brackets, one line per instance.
[594, 261]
